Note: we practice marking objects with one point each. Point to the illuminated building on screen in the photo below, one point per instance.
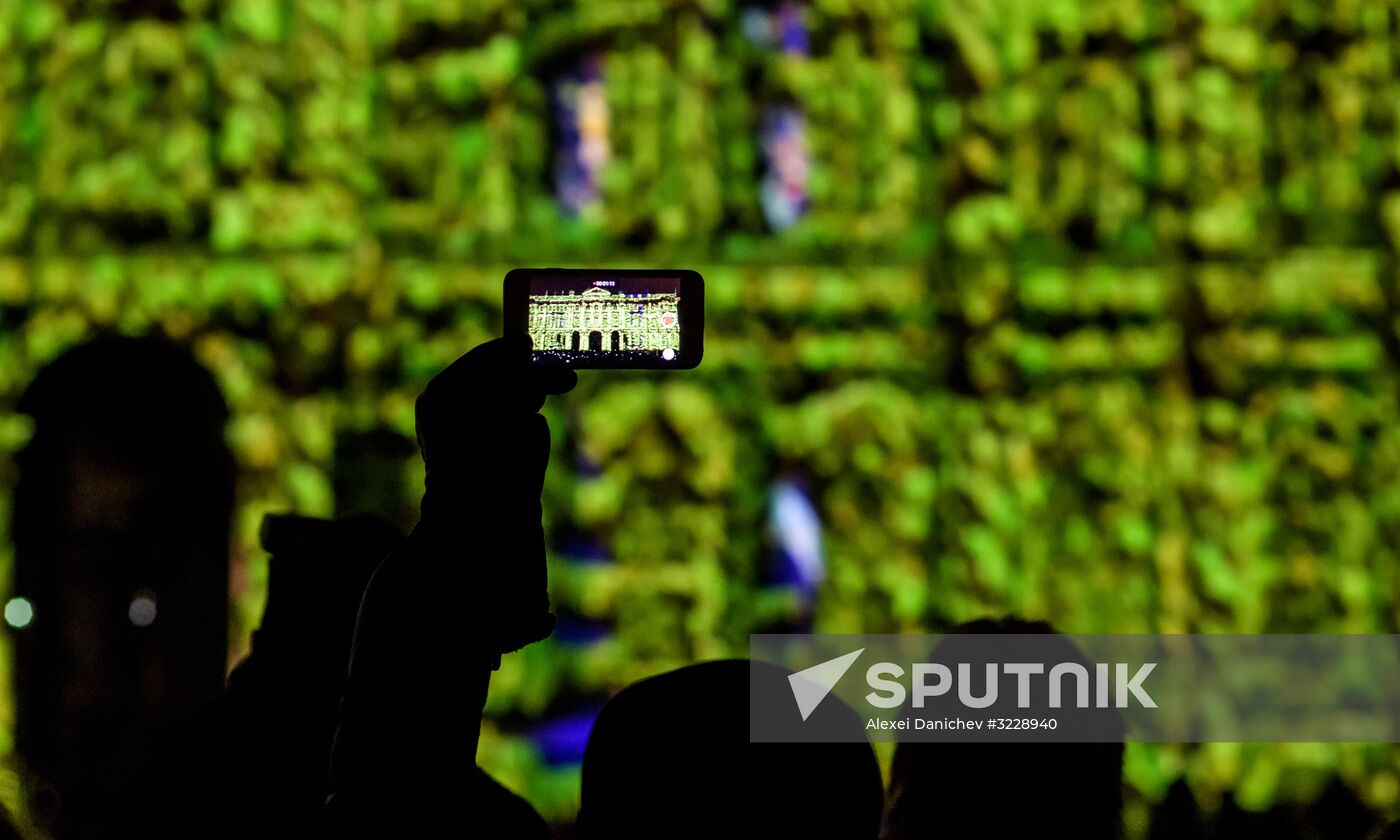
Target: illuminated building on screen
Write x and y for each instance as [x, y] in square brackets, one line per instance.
[598, 319]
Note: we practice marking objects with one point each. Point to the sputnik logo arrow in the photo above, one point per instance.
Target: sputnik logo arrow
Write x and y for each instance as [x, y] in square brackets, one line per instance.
[810, 686]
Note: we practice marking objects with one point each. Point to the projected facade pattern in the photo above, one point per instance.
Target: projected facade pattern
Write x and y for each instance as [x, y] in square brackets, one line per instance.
[598, 319]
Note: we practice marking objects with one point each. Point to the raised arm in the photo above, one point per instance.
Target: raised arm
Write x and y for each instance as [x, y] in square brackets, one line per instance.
[467, 586]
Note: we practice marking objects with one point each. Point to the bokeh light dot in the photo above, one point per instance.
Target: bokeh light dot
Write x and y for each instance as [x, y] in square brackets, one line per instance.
[142, 611]
[19, 613]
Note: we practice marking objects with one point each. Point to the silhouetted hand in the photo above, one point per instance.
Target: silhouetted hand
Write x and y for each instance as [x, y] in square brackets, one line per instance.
[486, 447]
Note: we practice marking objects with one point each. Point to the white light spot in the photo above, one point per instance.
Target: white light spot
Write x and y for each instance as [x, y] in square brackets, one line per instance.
[668, 354]
[143, 608]
[19, 612]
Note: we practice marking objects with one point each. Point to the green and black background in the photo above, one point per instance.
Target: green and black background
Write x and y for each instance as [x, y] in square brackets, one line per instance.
[1094, 316]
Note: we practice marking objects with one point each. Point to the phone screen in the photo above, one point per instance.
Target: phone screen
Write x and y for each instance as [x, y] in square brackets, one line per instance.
[611, 319]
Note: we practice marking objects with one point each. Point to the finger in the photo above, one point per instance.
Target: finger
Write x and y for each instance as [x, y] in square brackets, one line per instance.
[549, 379]
[501, 369]
[486, 362]
[555, 380]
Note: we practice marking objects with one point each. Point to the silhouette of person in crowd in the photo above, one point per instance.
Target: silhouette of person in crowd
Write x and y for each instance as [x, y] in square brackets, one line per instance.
[270, 743]
[273, 735]
[670, 757]
[1020, 790]
[465, 587]
[121, 535]
[272, 739]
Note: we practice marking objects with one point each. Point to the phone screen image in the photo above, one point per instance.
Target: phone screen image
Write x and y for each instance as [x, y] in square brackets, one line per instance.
[608, 317]
[627, 320]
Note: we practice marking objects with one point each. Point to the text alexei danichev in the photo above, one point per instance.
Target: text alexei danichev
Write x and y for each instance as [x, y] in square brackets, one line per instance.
[957, 723]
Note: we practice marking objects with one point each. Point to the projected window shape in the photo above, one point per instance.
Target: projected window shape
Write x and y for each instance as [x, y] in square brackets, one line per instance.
[581, 128]
[784, 188]
[795, 528]
[783, 132]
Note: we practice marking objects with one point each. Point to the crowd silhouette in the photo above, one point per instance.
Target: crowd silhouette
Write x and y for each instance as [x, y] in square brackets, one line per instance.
[357, 712]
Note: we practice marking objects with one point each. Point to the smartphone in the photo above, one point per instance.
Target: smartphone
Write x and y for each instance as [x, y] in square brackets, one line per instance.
[609, 318]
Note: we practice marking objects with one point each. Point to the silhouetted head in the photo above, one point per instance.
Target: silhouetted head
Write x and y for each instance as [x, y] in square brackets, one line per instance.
[121, 529]
[1334, 813]
[1020, 790]
[670, 757]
